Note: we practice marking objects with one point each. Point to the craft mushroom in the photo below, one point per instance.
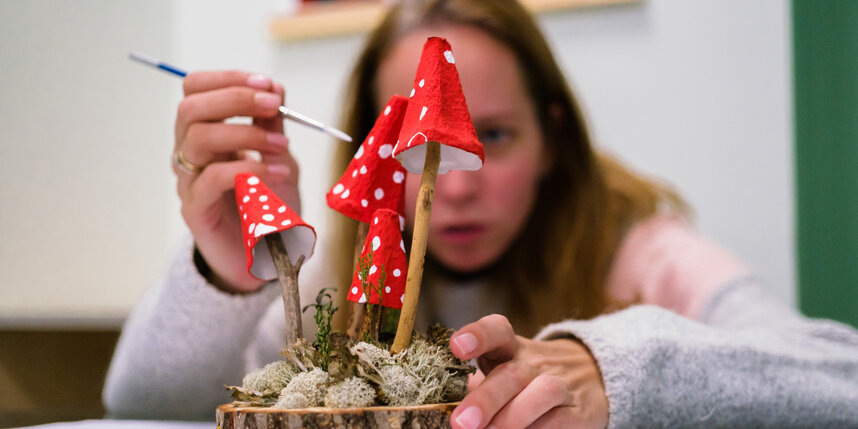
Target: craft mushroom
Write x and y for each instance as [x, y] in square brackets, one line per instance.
[289, 242]
[437, 136]
[373, 180]
[384, 252]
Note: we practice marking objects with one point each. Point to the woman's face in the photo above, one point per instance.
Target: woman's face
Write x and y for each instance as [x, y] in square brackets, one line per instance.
[476, 215]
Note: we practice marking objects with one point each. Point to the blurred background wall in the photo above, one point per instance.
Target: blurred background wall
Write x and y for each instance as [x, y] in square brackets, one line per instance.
[696, 93]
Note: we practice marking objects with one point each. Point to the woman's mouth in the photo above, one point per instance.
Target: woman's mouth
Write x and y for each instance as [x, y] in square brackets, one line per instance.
[459, 234]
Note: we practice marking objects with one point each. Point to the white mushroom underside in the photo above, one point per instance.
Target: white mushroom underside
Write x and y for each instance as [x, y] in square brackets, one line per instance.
[298, 241]
[451, 159]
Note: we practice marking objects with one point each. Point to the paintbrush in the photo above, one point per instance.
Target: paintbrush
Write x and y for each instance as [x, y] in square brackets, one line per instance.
[287, 113]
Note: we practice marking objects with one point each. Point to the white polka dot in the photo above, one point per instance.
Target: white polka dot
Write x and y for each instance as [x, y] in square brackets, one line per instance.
[398, 177]
[268, 217]
[449, 56]
[337, 189]
[386, 110]
[362, 169]
[412, 92]
[263, 229]
[345, 194]
[422, 82]
[252, 180]
[375, 221]
[265, 207]
[402, 298]
[263, 198]
[354, 290]
[250, 229]
[245, 216]
[245, 199]
[362, 298]
[379, 193]
[371, 139]
[282, 209]
[402, 245]
[252, 190]
[423, 112]
[364, 203]
[385, 150]
[401, 222]
[372, 270]
[387, 289]
[397, 273]
[359, 153]
[354, 173]
[240, 207]
[376, 243]
[286, 222]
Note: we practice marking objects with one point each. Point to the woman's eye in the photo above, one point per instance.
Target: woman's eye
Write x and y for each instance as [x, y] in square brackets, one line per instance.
[493, 136]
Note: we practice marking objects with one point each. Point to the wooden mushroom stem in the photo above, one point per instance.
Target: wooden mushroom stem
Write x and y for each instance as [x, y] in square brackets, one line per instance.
[418, 247]
[356, 309]
[288, 275]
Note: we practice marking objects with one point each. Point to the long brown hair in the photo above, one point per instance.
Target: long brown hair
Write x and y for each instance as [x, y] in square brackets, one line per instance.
[557, 266]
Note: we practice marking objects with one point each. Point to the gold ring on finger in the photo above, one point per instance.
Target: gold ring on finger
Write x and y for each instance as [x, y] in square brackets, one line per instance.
[184, 165]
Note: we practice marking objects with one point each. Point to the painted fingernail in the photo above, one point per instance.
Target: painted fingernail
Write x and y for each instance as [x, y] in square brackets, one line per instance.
[259, 81]
[277, 140]
[466, 342]
[278, 169]
[266, 100]
[470, 418]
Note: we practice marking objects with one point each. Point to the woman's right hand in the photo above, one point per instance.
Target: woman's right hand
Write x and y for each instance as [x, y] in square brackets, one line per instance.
[208, 196]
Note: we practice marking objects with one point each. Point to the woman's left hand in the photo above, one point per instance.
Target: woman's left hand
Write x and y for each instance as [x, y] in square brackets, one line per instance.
[527, 383]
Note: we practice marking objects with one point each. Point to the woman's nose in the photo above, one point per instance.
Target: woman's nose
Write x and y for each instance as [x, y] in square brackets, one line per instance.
[457, 187]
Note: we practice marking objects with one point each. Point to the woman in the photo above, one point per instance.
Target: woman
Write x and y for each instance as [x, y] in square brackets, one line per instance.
[546, 232]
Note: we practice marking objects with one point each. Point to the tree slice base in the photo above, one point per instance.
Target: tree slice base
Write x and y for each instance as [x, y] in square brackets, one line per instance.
[230, 416]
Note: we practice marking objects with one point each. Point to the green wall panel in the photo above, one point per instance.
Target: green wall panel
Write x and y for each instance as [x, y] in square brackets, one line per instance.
[825, 36]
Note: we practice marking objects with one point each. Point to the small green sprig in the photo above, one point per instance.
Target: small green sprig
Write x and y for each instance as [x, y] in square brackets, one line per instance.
[372, 321]
[325, 310]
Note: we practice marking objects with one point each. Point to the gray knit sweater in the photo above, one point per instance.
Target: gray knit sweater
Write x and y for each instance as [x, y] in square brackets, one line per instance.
[750, 363]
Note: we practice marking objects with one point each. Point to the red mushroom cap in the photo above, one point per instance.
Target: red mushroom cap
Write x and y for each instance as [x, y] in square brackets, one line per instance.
[437, 112]
[262, 212]
[374, 179]
[384, 240]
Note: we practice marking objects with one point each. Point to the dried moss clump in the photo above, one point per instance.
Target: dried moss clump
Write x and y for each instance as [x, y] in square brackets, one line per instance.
[425, 373]
[311, 384]
[292, 400]
[362, 374]
[353, 392]
[271, 378]
[399, 387]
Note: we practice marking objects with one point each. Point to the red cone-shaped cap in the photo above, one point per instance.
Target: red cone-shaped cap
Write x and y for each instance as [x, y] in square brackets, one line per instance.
[384, 240]
[437, 112]
[374, 179]
[262, 212]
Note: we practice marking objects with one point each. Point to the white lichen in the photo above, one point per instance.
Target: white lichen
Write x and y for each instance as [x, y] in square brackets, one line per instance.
[353, 392]
[292, 400]
[269, 379]
[399, 387]
[372, 354]
[312, 384]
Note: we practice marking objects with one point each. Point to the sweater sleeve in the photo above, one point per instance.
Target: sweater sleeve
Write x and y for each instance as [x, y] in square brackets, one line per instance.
[183, 342]
[749, 362]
